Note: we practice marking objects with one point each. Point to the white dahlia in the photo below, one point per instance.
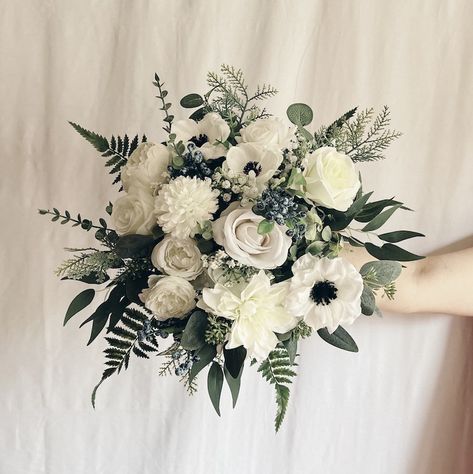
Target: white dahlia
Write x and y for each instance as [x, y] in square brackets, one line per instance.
[326, 292]
[257, 311]
[183, 204]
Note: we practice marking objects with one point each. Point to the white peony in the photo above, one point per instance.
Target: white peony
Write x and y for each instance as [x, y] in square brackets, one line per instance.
[257, 311]
[253, 160]
[212, 127]
[331, 179]
[237, 231]
[177, 257]
[146, 167]
[168, 297]
[133, 213]
[185, 203]
[269, 132]
[326, 292]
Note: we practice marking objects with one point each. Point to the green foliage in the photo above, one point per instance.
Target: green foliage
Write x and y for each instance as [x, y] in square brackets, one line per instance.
[122, 343]
[215, 384]
[234, 360]
[193, 337]
[265, 227]
[217, 329]
[391, 252]
[399, 236]
[364, 136]
[302, 330]
[165, 106]
[339, 338]
[81, 301]
[191, 101]
[277, 370]
[300, 114]
[117, 149]
[89, 266]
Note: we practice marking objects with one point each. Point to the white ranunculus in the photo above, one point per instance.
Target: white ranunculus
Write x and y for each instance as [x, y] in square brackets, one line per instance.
[168, 297]
[212, 126]
[325, 292]
[177, 257]
[257, 311]
[253, 160]
[185, 203]
[269, 132]
[133, 213]
[146, 167]
[237, 231]
[331, 179]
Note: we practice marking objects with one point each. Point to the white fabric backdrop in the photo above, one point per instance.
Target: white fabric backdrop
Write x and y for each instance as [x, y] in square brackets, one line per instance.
[400, 406]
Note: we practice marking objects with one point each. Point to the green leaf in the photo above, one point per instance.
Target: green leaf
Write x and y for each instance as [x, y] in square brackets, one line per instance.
[198, 114]
[339, 338]
[193, 337]
[386, 271]
[305, 133]
[130, 246]
[234, 384]
[99, 320]
[206, 355]
[399, 236]
[282, 399]
[190, 101]
[265, 227]
[234, 360]
[82, 300]
[300, 114]
[314, 248]
[372, 209]
[391, 252]
[368, 303]
[380, 219]
[99, 142]
[291, 348]
[214, 385]
[326, 233]
[357, 206]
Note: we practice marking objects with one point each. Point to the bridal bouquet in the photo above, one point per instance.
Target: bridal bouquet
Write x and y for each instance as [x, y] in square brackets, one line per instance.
[224, 246]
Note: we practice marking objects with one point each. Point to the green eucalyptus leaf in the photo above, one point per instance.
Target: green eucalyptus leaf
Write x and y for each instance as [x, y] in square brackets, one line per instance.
[82, 300]
[265, 227]
[193, 337]
[214, 385]
[380, 219]
[300, 114]
[315, 248]
[234, 360]
[391, 252]
[368, 302]
[326, 233]
[191, 101]
[357, 206]
[399, 236]
[339, 338]
[198, 114]
[206, 355]
[386, 271]
[234, 384]
[372, 209]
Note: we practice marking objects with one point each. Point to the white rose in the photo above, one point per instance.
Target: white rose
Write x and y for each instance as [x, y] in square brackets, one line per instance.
[168, 297]
[331, 179]
[271, 131]
[146, 167]
[237, 231]
[177, 257]
[133, 213]
[253, 160]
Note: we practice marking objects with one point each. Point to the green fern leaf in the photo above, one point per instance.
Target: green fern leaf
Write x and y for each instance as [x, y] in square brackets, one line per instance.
[99, 142]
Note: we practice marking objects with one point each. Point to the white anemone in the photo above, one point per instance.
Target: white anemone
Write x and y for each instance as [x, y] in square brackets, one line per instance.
[326, 292]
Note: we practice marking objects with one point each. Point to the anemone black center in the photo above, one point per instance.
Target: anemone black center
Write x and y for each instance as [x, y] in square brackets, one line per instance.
[252, 166]
[323, 292]
[200, 140]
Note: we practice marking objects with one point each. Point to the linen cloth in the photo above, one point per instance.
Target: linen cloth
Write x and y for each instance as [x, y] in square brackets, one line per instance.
[402, 405]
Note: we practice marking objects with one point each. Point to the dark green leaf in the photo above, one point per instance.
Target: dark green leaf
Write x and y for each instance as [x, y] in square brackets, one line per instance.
[300, 114]
[234, 360]
[339, 338]
[391, 252]
[82, 300]
[214, 385]
[291, 348]
[190, 101]
[357, 206]
[138, 352]
[380, 219]
[99, 320]
[399, 236]
[234, 384]
[193, 337]
[132, 246]
[386, 271]
[198, 114]
[368, 303]
[134, 288]
[372, 209]
[206, 355]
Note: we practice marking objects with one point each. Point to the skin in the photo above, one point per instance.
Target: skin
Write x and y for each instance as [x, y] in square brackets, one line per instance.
[440, 283]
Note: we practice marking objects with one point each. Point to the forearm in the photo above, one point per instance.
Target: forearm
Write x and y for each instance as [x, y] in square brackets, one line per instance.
[436, 284]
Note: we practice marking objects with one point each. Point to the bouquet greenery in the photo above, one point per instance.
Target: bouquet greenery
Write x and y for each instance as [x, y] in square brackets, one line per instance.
[224, 245]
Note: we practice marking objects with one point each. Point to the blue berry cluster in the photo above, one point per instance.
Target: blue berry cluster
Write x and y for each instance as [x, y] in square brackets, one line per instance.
[149, 333]
[185, 366]
[194, 164]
